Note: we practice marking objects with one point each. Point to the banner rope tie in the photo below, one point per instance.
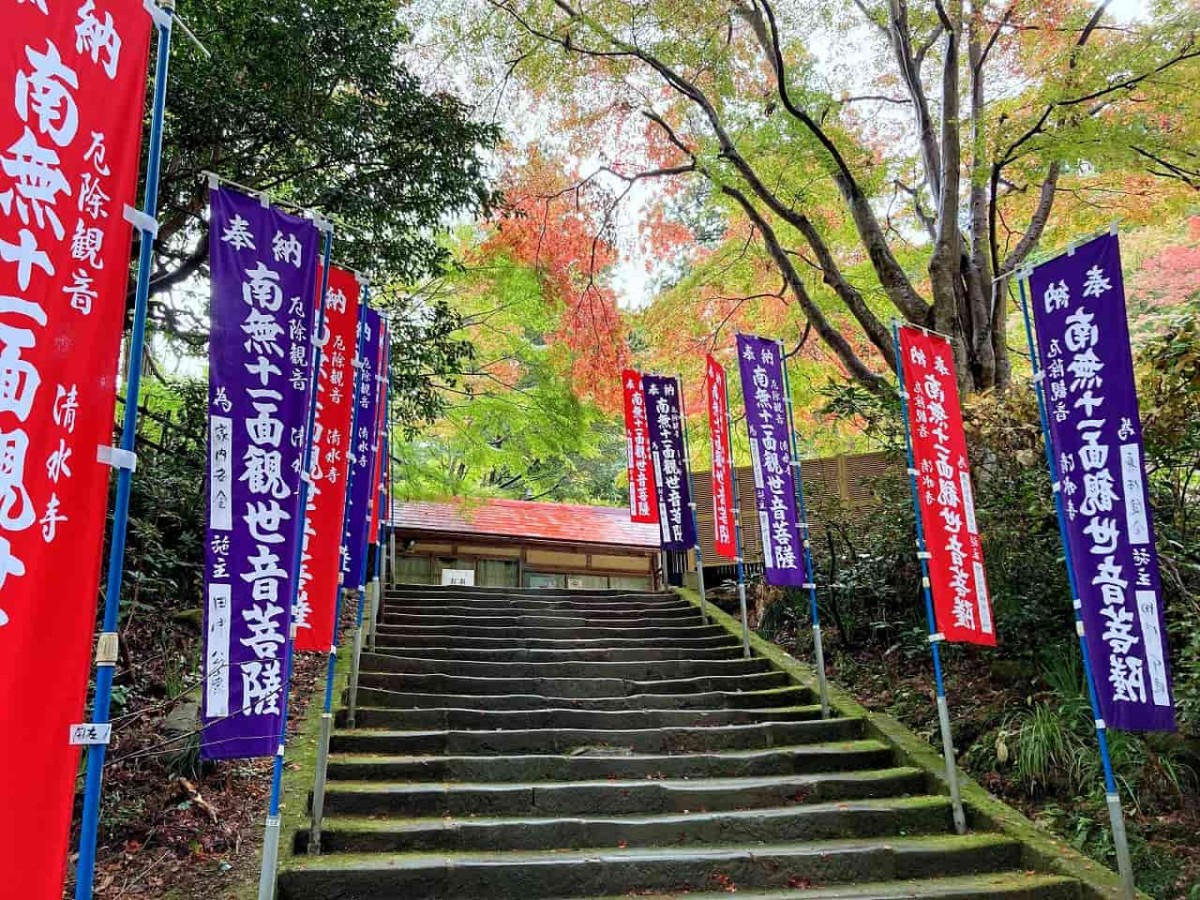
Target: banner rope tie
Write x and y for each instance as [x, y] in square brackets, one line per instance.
[142, 221]
[158, 15]
[116, 457]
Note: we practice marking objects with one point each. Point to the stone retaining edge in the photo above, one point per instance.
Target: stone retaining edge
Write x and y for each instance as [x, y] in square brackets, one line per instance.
[1040, 850]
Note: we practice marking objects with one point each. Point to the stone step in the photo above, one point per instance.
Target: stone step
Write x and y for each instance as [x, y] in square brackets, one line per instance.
[535, 608]
[662, 633]
[478, 642]
[569, 874]
[565, 687]
[519, 744]
[614, 796]
[810, 822]
[664, 669]
[798, 760]
[525, 720]
[596, 596]
[580, 740]
[636, 619]
[402, 645]
[1023, 885]
[510, 606]
[391, 699]
[576, 601]
[414, 587]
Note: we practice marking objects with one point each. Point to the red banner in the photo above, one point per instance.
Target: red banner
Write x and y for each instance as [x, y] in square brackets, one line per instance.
[959, 584]
[320, 568]
[642, 507]
[717, 399]
[74, 80]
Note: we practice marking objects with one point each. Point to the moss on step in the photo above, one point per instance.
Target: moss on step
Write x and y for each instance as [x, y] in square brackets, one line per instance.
[301, 758]
[1040, 851]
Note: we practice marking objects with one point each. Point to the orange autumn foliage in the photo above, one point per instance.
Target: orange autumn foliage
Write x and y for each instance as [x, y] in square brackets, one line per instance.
[550, 225]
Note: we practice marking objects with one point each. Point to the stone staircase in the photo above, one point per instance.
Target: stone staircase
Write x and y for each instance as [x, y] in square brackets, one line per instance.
[601, 744]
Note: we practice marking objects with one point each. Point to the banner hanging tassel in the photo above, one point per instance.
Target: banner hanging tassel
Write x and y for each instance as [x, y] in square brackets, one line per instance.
[960, 819]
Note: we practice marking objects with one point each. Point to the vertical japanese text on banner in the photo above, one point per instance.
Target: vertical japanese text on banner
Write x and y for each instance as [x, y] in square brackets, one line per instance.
[761, 364]
[1096, 432]
[264, 269]
[677, 527]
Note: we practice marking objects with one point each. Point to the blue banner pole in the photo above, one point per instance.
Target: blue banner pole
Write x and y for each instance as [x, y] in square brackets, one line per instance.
[385, 448]
[943, 708]
[385, 526]
[390, 579]
[1112, 796]
[124, 460]
[270, 855]
[385, 483]
[811, 583]
[318, 798]
[737, 525]
[361, 576]
[687, 462]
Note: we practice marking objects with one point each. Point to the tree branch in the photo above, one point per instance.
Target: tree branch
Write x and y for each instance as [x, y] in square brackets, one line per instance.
[1190, 177]
[1037, 222]
[875, 330]
[891, 275]
[901, 41]
[181, 273]
[830, 335]
[919, 208]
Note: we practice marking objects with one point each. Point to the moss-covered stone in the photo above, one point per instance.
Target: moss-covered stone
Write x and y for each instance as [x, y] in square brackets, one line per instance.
[301, 766]
[1040, 851]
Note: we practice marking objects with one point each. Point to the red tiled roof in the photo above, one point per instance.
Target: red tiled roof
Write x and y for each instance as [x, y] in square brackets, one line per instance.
[568, 522]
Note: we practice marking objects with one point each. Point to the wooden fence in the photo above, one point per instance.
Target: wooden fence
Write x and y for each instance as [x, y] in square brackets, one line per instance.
[836, 482]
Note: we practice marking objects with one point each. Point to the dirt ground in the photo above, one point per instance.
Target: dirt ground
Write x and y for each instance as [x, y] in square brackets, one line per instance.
[173, 827]
[981, 693]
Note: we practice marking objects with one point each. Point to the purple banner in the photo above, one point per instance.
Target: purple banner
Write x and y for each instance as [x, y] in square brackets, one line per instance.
[1096, 434]
[760, 362]
[677, 528]
[264, 272]
[371, 341]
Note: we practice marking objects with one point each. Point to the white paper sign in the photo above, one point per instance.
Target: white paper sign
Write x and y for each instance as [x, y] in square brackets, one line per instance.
[86, 734]
[458, 576]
